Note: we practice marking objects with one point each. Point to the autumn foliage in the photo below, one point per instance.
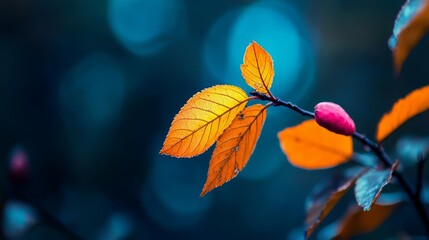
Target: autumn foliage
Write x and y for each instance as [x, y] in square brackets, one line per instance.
[234, 146]
[309, 146]
[220, 114]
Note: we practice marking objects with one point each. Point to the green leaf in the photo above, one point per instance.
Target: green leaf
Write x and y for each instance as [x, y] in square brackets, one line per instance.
[369, 186]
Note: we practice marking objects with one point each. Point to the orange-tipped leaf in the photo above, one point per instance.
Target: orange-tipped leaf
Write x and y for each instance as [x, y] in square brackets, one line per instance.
[411, 25]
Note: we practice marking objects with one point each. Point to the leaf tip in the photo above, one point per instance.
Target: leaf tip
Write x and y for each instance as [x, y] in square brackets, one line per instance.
[165, 151]
[162, 152]
[205, 190]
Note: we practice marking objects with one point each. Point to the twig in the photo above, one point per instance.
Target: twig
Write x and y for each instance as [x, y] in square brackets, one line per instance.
[46, 216]
[405, 184]
[375, 148]
[279, 102]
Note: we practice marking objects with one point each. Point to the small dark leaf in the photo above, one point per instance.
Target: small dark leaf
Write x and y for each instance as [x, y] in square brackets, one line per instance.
[369, 186]
[356, 221]
[324, 197]
[409, 149]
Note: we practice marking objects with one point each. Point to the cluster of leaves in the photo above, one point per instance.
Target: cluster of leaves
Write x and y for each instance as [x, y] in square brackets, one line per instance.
[220, 114]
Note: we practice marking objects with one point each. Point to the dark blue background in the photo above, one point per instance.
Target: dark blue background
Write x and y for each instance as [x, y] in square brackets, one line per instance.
[89, 88]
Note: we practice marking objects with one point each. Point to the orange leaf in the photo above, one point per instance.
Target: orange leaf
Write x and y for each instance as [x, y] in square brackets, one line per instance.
[257, 68]
[310, 146]
[202, 120]
[356, 221]
[326, 196]
[235, 146]
[411, 24]
[414, 103]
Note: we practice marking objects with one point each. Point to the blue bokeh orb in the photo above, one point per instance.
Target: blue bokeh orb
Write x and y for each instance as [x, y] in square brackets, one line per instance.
[279, 30]
[145, 27]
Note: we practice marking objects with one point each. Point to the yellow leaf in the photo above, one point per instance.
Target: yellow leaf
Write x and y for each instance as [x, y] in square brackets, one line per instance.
[310, 146]
[235, 146]
[414, 103]
[257, 68]
[411, 25]
[202, 120]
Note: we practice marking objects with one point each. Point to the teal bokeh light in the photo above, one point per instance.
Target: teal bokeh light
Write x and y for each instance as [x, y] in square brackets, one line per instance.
[279, 30]
[91, 100]
[18, 217]
[145, 27]
[92, 94]
[118, 226]
[171, 193]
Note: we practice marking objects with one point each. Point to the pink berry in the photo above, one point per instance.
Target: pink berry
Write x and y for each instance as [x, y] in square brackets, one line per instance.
[333, 117]
[18, 168]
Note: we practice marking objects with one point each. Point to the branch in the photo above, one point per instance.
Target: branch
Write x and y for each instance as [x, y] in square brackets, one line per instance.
[375, 148]
[48, 218]
[279, 102]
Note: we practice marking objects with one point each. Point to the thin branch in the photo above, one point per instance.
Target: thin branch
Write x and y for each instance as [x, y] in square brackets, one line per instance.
[279, 102]
[49, 219]
[375, 148]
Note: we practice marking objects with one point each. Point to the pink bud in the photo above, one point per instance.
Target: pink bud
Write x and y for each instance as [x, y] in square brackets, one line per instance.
[18, 168]
[333, 117]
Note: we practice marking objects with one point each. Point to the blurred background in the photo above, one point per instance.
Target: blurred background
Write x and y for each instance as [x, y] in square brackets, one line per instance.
[88, 90]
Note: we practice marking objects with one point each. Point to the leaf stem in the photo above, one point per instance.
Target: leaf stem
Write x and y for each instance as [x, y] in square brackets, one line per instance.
[375, 148]
[279, 102]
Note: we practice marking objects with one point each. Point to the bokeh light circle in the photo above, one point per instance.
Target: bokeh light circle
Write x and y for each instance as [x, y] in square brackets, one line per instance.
[17, 218]
[92, 94]
[91, 100]
[118, 226]
[276, 27]
[145, 27]
[171, 193]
